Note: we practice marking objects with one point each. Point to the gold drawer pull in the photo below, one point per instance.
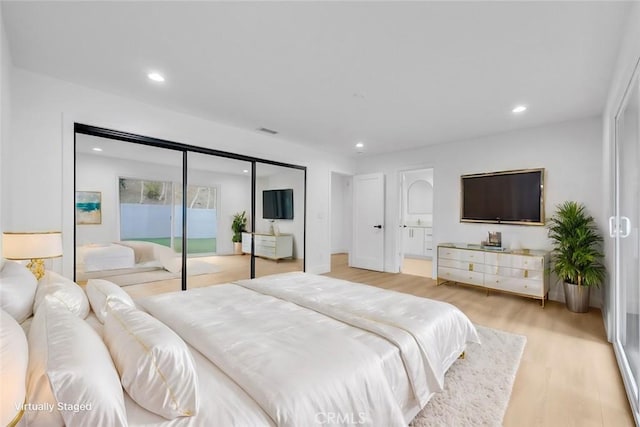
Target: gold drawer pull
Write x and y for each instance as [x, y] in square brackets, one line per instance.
[526, 274]
[470, 267]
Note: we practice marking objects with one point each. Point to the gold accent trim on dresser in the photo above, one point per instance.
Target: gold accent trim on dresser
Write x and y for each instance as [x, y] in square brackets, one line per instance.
[523, 272]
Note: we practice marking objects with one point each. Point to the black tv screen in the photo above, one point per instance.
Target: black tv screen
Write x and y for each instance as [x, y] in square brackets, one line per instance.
[277, 204]
[503, 197]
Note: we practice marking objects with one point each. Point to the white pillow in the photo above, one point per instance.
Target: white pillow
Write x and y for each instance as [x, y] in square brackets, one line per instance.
[99, 290]
[14, 357]
[62, 291]
[17, 290]
[70, 365]
[156, 367]
[168, 258]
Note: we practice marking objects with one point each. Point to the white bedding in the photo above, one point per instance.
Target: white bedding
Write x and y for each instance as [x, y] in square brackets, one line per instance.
[264, 361]
[109, 256]
[298, 365]
[439, 329]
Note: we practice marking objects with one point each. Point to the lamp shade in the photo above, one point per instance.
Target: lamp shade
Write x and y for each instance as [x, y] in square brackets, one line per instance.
[31, 245]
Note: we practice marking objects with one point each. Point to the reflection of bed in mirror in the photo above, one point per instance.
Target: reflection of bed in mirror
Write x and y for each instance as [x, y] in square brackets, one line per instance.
[132, 262]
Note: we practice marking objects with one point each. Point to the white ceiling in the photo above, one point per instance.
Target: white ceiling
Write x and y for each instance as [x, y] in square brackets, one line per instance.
[115, 149]
[395, 75]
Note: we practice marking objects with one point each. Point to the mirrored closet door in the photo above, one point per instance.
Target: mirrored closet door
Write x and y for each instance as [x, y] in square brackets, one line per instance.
[218, 208]
[279, 232]
[128, 205]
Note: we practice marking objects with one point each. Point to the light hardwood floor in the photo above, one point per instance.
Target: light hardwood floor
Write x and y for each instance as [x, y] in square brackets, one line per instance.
[568, 374]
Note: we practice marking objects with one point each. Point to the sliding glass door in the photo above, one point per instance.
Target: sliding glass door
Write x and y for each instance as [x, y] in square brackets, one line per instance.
[624, 228]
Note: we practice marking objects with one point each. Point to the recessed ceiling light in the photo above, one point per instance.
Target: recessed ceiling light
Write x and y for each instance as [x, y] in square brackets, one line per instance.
[245, 171]
[156, 77]
[97, 149]
[519, 109]
[359, 145]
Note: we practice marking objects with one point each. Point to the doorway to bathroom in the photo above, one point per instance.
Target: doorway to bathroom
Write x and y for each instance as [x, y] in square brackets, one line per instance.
[416, 221]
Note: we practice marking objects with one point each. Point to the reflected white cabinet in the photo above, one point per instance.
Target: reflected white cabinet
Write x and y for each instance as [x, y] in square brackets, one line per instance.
[269, 245]
[524, 273]
[418, 241]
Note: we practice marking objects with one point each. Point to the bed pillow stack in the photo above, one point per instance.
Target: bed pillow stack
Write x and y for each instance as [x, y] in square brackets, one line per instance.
[17, 290]
[70, 374]
[14, 357]
[64, 292]
[99, 291]
[156, 367]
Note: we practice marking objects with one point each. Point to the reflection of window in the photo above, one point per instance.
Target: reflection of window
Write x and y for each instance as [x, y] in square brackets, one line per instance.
[151, 211]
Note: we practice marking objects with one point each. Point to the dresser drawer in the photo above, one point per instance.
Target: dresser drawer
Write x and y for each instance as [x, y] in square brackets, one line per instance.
[461, 255]
[524, 262]
[512, 284]
[269, 251]
[265, 241]
[461, 265]
[517, 273]
[456, 275]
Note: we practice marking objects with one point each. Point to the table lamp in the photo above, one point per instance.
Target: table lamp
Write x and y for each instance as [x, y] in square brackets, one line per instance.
[32, 246]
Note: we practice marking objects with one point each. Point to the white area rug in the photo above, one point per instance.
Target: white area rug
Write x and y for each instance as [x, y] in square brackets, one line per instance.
[477, 388]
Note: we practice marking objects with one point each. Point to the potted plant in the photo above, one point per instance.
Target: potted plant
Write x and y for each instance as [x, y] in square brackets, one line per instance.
[577, 254]
[238, 226]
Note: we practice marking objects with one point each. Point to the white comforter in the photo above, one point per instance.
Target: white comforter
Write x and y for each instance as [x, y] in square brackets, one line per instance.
[430, 334]
[301, 367]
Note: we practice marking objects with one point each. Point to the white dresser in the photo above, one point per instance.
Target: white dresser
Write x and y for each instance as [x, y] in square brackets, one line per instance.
[269, 245]
[523, 272]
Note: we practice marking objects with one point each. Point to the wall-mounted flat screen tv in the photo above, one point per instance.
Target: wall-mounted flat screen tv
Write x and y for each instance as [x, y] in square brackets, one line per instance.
[277, 204]
[510, 197]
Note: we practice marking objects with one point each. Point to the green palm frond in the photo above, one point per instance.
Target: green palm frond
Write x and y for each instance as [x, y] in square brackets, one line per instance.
[577, 245]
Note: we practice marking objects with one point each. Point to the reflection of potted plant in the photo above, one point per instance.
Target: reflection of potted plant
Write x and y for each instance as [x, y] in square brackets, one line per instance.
[576, 254]
[239, 225]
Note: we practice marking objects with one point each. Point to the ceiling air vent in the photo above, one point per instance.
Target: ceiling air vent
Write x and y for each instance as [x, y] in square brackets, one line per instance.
[269, 131]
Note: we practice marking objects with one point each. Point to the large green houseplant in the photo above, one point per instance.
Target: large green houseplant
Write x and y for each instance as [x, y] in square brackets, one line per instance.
[577, 253]
[238, 226]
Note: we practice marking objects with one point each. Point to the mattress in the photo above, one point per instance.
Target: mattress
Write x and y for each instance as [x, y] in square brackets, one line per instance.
[100, 257]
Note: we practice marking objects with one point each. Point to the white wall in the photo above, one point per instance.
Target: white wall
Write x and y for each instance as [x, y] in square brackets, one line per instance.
[43, 113]
[570, 152]
[283, 179]
[341, 213]
[628, 57]
[5, 120]
[101, 173]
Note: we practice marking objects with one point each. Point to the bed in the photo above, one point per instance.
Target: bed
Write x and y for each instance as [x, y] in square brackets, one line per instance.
[100, 260]
[104, 256]
[299, 349]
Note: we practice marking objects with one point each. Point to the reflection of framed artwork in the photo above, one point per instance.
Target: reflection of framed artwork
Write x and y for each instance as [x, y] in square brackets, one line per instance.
[88, 207]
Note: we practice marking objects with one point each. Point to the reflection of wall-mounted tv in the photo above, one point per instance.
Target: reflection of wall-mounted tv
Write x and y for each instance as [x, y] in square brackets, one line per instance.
[277, 204]
[515, 197]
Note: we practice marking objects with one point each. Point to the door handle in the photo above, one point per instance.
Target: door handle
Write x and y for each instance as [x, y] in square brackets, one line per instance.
[377, 226]
[612, 227]
[627, 226]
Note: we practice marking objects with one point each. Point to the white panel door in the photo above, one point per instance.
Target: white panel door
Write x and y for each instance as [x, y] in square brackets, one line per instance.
[368, 222]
